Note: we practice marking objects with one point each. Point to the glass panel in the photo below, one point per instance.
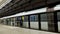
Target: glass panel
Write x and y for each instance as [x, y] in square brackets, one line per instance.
[25, 21]
[6, 22]
[3, 21]
[58, 17]
[9, 21]
[44, 23]
[16, 23]
[19, 21]
[15, 20]
[34, 21]
[12, 21]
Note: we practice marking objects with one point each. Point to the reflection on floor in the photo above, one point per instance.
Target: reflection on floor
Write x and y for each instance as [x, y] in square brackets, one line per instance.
[17, 30]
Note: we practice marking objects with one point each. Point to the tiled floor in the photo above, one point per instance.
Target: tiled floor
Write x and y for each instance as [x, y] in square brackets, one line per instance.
[17, 30]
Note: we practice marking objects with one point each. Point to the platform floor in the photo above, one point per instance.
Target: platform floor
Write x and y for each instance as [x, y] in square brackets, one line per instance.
[4, 29]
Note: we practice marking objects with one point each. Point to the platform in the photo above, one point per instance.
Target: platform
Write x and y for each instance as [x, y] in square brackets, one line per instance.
[4, 29]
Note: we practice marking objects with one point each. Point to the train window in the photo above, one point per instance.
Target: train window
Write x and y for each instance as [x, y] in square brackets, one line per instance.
[25, 21]
[58, 17]
[34, 21]
[44, 23]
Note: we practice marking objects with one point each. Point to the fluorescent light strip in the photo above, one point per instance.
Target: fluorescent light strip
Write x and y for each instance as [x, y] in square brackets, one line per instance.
[57, 7]
[1, 0]
[7, 1]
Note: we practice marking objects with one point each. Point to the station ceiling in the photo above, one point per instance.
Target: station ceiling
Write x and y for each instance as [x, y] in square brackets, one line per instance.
[3, 3]
[17, 6]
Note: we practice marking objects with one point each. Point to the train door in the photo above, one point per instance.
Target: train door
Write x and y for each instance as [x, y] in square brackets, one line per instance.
[44, 22]
[48, 21]
[16, 23]
[9, 21]
[25, 21]
[58, 17]
[19, 21]
[6, 21]
[13, 21]
[34, 22]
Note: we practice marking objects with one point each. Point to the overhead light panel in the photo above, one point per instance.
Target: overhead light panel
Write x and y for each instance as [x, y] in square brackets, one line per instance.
[0, 0]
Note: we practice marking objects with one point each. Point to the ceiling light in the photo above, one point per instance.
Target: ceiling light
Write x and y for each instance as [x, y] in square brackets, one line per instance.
[0, 0]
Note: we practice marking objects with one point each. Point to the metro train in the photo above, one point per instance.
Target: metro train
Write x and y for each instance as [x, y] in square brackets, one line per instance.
[35, 19]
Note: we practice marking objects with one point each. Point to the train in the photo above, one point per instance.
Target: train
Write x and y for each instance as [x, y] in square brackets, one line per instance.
[37, 19]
